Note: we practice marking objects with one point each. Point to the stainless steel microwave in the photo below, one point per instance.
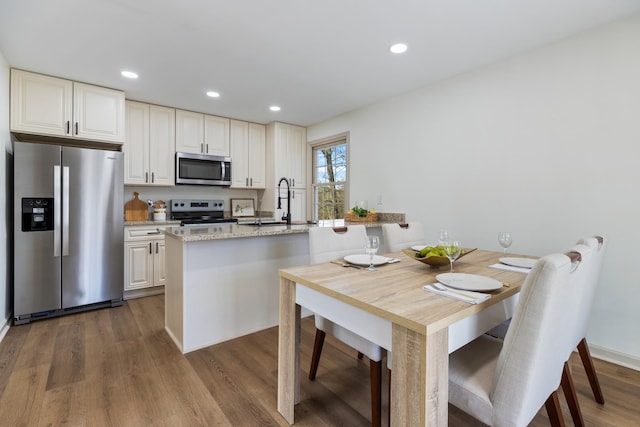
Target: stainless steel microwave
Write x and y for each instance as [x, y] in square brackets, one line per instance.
[203, 169]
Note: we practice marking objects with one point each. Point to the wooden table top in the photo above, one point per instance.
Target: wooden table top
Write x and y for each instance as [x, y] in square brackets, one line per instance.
[394, 292]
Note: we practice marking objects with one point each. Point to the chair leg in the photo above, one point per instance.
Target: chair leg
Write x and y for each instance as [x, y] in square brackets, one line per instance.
[554, 411]
[317, 351]
[389, 398]
[585, 355]
[570, 394]
[376, 393]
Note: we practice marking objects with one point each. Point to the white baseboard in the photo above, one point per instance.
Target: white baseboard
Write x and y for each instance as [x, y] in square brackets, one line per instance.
[5, 327]
[622, 359]
[144, 292]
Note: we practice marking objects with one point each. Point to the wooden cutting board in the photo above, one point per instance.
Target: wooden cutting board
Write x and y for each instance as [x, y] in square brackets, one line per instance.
[136, 209]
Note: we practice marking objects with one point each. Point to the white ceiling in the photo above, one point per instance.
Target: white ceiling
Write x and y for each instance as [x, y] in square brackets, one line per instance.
[314, 59]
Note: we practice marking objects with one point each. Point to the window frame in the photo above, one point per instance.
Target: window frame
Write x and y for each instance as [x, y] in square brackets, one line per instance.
[331, 141]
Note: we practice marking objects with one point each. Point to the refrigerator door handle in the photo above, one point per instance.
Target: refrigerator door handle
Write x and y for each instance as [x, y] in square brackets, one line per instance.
[65, 211]
[56, 211]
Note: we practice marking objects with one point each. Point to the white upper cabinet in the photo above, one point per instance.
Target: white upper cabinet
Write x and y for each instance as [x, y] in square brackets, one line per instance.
[216, 135]
[286, 157]
[150, 145]
[247, 155]
[162, 145]
[50, 106]
[201, 133]
[189, 132]
[257, 148]
[288, 153]
[136, 145]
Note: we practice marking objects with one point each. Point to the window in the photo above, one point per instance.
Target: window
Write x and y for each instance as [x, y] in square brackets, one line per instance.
[330, 178]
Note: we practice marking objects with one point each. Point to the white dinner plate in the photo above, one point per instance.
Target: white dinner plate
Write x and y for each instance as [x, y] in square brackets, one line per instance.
[519, 262]
[469, 282]
[418, 248]
[363, 259]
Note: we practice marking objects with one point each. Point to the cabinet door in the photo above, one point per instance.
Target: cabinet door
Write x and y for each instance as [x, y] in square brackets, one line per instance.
[256, 155]
[189, 132]
[136, 145]
[41, 104]
[138, 265]
[162, 145]
[159, 271]
[298, 204]
[216, 135]
[297, 155]
[98, 113]
[239, 154]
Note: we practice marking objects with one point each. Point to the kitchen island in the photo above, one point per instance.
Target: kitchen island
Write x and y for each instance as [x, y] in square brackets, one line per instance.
[222, 279]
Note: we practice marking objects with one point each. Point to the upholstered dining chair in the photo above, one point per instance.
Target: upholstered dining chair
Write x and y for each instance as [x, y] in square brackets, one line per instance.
[327, 244]
[598, 247]
[402, 236]
[582, 261]
[505, 382]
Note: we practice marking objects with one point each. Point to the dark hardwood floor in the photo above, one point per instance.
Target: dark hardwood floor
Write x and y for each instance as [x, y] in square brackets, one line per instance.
[117, 367]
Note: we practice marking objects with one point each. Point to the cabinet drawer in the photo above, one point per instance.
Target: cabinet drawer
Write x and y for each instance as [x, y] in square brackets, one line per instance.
[144, 233]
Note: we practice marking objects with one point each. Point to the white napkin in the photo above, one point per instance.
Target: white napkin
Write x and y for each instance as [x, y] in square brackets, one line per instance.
[501, 266]
[392, 260]
[466, 296]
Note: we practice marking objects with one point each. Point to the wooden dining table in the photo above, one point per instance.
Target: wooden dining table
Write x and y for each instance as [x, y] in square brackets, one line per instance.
[390, 308]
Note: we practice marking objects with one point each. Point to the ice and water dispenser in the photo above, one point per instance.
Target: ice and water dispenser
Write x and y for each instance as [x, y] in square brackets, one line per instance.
[37, 214]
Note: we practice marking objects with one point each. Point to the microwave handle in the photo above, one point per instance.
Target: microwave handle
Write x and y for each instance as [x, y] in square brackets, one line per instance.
[224, 170]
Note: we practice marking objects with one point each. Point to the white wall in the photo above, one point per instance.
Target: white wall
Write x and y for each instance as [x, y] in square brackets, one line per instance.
[545, 144]
[5, 151]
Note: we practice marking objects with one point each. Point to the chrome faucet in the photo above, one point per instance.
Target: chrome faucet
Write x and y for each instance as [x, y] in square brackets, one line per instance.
[286, 217]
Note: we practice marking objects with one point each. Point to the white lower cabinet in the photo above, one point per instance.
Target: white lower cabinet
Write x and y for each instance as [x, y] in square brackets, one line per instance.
[144, 265]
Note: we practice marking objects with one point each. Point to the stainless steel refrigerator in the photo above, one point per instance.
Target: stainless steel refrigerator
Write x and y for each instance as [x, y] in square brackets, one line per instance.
[68, 230]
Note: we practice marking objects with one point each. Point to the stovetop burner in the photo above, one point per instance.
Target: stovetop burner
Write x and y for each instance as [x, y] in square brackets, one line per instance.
[196, 212]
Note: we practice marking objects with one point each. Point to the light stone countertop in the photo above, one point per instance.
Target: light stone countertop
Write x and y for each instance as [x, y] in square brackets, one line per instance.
[235, 231]
[150, 222]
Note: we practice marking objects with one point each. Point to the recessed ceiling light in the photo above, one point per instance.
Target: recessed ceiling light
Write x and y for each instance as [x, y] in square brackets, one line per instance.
[274, 108]
[213, 94]
[129, 74]
[398, 48]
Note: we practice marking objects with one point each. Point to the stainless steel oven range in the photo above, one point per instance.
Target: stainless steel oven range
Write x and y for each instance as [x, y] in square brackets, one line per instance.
[198, 212]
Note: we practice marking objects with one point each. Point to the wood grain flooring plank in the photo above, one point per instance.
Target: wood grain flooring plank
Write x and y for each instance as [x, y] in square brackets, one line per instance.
[188, 398]
[148, 313]
[229, 390]
[22, 400]
[66, 406]
[68, 358]
[38, 347]
[123, 323]
[10, 353]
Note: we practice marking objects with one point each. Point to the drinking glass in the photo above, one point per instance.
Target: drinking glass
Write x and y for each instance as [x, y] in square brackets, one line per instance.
[443, 236]
[372, 243]
[451, 250]
[504, 238]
